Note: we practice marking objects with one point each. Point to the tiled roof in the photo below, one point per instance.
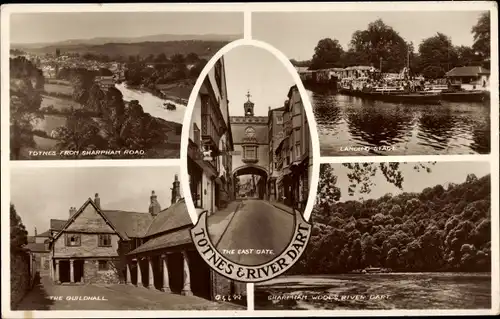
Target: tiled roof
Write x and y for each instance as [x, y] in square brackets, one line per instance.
[57, 224]
[170, 218]
[176, 238]
[129, 224]
[44, 234]
[36, 247]
[467, 71]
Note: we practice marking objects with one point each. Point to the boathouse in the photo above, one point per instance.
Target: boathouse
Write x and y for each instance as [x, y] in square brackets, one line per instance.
[470, 77]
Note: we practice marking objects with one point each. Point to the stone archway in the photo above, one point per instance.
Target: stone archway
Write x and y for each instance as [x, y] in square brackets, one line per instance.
[254, 170]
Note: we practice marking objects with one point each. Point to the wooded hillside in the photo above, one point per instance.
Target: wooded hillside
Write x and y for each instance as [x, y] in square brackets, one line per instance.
[436, 230]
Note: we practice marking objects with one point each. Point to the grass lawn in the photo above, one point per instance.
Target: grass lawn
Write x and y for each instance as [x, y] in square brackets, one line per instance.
[55, 81]
[181, 89]
[58, 103]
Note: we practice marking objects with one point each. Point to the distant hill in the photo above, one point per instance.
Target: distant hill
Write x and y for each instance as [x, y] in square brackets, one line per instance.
[202, 48]
[149, 38]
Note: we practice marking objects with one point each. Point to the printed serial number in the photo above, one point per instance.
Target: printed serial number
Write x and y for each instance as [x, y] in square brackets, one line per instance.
[228, 297]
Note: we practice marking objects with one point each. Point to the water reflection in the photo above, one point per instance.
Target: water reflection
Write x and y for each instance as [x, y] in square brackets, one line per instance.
[350, 126]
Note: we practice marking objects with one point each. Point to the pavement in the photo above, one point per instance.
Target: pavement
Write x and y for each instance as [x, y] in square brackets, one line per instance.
[48, 296]
[218, 222]
[257, 232]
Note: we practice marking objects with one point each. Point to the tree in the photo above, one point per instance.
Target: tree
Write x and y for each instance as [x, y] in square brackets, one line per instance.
[467, 56]
[161, 58]
[178, 58]
[192, 57]
[437, 56]
[481, 33]
[18, 233]
[58, 52]
[25, 101]
[379, 41]
[79, 134]
[327, 54]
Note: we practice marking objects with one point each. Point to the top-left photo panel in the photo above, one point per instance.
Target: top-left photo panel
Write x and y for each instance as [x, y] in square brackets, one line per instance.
[107, 85]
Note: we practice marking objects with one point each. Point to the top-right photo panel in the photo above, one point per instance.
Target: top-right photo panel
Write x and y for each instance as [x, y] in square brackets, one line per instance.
[390, 83]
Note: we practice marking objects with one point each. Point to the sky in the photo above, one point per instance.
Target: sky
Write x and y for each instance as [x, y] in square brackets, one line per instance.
[41, 194]
[257, 70]
[53, 27]
[296, 34]
[441, 173]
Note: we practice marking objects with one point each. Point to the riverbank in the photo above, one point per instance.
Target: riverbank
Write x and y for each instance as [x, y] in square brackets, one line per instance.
[177, 92]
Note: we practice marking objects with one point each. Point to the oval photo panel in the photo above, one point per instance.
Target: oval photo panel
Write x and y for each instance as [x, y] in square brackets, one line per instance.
[248, 164]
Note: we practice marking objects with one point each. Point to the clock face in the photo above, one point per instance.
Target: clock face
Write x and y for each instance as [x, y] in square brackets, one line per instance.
[250, 132]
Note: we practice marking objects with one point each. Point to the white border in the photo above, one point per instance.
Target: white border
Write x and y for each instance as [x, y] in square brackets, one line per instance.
[307, 108]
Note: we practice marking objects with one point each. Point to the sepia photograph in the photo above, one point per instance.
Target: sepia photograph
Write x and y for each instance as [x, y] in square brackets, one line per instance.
[393, 236]
[249, 154]
[390, 82]
[107, 85]
[108, 238]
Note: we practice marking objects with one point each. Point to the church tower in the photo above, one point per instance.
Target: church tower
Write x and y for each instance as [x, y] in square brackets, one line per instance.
[248, 106]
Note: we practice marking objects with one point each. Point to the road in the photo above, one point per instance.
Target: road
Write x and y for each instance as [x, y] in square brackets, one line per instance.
[256, 225]
[48, 296]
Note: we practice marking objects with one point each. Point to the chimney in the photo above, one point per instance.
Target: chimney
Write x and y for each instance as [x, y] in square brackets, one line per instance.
[97, 201]
[72, 211]
[176, 190]
[154, 207]
[36, 233]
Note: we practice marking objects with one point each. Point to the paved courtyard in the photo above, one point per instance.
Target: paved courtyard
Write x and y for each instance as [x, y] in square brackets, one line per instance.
[48, 296]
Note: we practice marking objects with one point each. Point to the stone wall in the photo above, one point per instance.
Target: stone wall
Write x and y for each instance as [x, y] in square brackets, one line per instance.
[20, 276]
[92, 274]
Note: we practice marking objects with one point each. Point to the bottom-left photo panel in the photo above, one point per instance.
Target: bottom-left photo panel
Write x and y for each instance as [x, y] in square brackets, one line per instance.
[108, 238]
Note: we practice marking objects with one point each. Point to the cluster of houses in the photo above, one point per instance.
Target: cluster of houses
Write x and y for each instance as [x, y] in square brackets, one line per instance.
[470, 77]
[50, 64]
[274, 149]
[150, 249]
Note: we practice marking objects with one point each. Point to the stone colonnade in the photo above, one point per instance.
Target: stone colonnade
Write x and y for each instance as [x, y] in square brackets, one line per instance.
[186, 290]
[54, 271]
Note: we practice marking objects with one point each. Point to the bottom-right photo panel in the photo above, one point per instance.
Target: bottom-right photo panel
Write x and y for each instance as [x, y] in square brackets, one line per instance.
[413, 235]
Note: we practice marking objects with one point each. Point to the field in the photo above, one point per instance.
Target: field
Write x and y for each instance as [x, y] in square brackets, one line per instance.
[58, 88]
[376, 291]
[59, 104]
[50, 122]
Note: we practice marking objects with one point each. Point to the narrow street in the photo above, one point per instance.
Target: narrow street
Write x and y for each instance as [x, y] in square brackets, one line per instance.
[48, 296]
[257, 225]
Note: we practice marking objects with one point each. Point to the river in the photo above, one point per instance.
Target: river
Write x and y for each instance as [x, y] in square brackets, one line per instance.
[376, 291]
[351, 126]
[152, 104]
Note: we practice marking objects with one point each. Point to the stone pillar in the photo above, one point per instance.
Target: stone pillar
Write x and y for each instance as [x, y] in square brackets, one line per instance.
[151, 281]
[139, 275]
[51, 269]
[166, 281]
[129, 276]
[186, 290]
[56, 275]
[71, 271]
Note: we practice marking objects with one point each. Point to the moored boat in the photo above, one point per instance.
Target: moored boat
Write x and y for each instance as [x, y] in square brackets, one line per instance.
[396, 96]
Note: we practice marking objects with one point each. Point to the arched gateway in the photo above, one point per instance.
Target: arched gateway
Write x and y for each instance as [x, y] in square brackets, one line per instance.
[251, 145]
